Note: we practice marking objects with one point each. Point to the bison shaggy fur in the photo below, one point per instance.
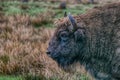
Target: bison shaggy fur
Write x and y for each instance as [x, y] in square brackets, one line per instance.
[93, 39]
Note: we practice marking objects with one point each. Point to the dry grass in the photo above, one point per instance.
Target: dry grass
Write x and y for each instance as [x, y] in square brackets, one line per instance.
[43, 18]
[23, 47]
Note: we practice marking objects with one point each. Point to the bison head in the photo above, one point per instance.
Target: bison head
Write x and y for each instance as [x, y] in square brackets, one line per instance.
[67, 43]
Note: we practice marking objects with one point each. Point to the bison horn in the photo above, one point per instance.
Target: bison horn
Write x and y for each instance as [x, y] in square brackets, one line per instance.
[73, 22]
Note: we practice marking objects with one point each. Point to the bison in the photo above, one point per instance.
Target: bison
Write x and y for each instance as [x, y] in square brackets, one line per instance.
[93, 39]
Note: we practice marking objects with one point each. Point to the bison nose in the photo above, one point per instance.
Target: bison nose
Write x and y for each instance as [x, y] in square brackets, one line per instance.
[48, 52]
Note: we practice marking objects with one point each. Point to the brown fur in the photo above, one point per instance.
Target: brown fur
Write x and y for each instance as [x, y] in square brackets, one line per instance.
[101, 51]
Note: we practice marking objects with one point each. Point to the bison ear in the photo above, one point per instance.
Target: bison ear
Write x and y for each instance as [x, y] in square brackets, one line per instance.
[79, 35]
[73, 23]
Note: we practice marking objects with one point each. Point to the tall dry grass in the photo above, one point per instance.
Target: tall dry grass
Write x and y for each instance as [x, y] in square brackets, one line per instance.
[23, 47]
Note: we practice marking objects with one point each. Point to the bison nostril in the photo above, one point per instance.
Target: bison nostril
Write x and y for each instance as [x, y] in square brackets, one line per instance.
[48, 52]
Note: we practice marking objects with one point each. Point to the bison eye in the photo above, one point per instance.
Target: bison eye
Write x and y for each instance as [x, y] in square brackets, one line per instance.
[64, 36]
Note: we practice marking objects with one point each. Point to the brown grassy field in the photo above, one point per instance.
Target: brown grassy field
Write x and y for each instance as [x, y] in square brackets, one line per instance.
[23, 47]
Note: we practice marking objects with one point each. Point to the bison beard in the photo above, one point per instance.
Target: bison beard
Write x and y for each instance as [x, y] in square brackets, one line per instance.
[93, 39]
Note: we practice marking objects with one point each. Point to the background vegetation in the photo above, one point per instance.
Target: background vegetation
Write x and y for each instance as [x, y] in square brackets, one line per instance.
[25, 30]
